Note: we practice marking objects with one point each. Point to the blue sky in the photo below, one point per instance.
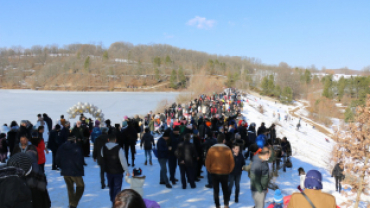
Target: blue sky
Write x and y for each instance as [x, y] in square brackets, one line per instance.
[331, 34]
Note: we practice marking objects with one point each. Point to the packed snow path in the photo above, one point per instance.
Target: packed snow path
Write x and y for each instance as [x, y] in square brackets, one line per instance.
[310, 151]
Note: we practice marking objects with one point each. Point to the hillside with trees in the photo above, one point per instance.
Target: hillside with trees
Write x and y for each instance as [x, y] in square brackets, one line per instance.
[157, 67]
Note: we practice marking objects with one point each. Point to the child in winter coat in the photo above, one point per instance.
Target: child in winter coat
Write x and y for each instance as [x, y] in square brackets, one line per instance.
[302, 177]
[278, 200]
[137, 181]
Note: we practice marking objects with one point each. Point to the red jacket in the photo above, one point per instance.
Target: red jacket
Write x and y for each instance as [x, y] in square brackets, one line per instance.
[41, 152]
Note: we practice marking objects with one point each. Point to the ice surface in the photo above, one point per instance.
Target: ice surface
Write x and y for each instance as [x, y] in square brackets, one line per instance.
[26, 104]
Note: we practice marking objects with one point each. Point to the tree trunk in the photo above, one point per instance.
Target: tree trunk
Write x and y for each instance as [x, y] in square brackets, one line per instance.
[359, 191]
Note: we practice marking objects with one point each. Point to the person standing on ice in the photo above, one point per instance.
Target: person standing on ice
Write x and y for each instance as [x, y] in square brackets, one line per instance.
[236, 174]
[41, 122]
[71, 162]
[163, 157]
[55, 140]
[98, 145]
[220, 163]
[115, 165]
[148, 141]
[259, 176]
[172, 159]
[186, 155]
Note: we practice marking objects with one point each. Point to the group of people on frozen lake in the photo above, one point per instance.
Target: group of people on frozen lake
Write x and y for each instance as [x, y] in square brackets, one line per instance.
[209, 131]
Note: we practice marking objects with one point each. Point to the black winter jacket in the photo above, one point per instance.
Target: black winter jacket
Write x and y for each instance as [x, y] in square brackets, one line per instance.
[148, 141]
[239, 163]
[186, 152]
[14, 193]
[98, 145]
[337, 171]
[70, 159]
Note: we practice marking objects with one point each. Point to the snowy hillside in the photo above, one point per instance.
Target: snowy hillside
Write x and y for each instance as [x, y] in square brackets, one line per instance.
[310, 149]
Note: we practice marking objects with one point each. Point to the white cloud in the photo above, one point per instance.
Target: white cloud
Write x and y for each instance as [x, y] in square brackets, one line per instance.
[201, 23]
[168, 36]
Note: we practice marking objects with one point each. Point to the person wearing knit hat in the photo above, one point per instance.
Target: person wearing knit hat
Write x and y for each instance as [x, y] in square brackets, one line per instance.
[21, 160]
[278, 200]
[136, 181]
[96, 132]
[125, 118]
[14, 192]
[313, 193]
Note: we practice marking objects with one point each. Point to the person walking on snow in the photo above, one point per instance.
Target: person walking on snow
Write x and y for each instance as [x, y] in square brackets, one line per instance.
[163, 157]
[115, 165]
[337, 173]
[148, 142]
[220, 163]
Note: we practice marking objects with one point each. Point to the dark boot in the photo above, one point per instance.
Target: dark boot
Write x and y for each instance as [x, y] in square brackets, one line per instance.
[146, 163]
[133, 163]
[150, 162]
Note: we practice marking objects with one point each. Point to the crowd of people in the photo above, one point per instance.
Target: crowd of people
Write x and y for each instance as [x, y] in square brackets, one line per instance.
[208, 131]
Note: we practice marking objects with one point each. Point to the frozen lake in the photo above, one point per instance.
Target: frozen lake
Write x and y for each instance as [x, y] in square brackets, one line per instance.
[26, 104]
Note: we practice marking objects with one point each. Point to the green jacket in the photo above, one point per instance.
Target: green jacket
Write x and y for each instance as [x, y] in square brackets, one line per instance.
[151, 125]
[259, 175]
[272, 157]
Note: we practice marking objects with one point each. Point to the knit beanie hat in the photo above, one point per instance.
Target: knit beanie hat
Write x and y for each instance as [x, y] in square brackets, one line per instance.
[97, 123]
[137, 171]
[21, 160]
[125, 117]
[278, 197]
[313, 180]
[166, 133]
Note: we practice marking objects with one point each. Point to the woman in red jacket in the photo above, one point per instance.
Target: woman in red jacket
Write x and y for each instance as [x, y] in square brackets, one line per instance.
[39, 143]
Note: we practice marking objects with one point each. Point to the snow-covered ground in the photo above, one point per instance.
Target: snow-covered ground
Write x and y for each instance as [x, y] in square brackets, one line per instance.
[310, 148]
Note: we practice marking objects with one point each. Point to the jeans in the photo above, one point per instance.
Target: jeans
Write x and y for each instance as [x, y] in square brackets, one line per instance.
[223, 180]
[209, 179]
[114, 184]
[234, 179]
[338, 186]
[259, 198]
[189, 171]
[74, 196]
[163, 173]
[172, 164]
[148, 153]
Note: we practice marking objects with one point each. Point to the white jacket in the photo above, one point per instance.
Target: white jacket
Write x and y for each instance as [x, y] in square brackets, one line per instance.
[136, 183]
[302, 178]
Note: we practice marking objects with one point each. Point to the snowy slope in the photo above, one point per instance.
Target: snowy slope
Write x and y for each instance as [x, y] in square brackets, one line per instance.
[310, 150]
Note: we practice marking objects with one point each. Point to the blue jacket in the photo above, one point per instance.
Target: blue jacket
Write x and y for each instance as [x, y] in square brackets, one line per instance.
[162, 148]
[96, 132]
[261, 140]
[239, 163]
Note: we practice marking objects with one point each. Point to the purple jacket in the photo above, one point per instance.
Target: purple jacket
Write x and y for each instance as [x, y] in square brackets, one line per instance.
[151, 204]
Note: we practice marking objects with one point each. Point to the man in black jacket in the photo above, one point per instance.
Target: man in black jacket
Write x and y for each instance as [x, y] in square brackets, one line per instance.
[172, 160]
[48, 121]
[186, 155]
[130, 137]
[115, 165]
[55, 140]
[65, 132]
[210, 141]
[70, 160]
[98, 145]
